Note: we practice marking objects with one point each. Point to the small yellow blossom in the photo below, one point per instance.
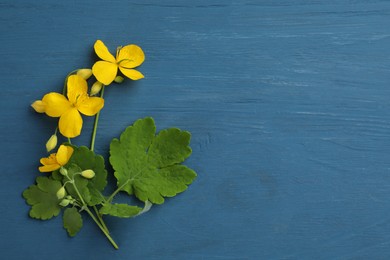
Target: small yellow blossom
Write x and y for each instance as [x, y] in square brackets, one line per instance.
[65, 202]
[96, 87]
[39, 106]
[63, 171]
[89, 174]
[84, 73]
[61, 193]
[51, 143]
[119, 79]
[127, 58]
[56, 160]
[68, 110]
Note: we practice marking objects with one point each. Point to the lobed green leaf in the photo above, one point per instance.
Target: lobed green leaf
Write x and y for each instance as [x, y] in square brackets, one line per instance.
[43, 199]
[80, 182]
[147, 165]
[72, 221]
[86, 159]
[120, 210]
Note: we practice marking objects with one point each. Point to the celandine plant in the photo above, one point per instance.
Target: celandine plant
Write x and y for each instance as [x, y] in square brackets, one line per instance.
[146, 165]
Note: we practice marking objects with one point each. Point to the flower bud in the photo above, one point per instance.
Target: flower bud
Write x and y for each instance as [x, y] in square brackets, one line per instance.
[119, 79]
[84, 73]
[89, 174]
[51, 143]
[61, 193]
[96, 87]
[63, 171]
[39, 106]
[65, 202]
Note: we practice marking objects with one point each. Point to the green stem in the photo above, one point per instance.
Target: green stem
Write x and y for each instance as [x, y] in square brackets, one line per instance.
[116, 191]
[77, 190]
[100, 219]
[96, 124]
[102, 226]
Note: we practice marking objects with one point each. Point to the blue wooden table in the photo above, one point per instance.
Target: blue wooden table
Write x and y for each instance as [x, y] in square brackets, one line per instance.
[287, 103]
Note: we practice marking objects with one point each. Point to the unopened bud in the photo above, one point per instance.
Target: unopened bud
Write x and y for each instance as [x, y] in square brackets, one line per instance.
[63, 171]
[84, 73]
[51, 143]
[119, 79]
[96, 87]
[61, 193]
[89, 174]
[64, 202]
[39, 106]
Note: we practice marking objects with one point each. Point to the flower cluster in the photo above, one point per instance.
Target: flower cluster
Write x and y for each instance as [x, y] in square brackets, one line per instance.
[70, 163]
[77, 176]
[77, 101]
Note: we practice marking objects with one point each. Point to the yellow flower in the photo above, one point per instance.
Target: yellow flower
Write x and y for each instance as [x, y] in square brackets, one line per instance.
[127, 58]
[68, 110]
[56, 160]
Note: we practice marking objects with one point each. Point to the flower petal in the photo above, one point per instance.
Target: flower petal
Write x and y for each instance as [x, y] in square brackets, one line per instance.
[71, 123]
[105, 72]
[49, 168]
[39, 106]
[56, 104]
[63, 154]
[49, 163]
[130, 56]
[131, 74]
[102, 51]
[77, 88]
[91, 106]
[49, 160]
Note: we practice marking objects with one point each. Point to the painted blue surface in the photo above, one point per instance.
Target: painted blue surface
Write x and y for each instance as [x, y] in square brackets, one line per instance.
[287, 102]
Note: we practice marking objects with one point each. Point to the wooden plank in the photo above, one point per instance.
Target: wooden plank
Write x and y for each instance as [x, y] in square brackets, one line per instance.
[287, 102]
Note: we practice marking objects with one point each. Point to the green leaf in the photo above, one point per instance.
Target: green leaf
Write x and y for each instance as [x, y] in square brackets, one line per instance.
[80, 182]
[147, 165]
[86, 159]
[120, 210]
[169, 147]
[43, 199]
[56, 175]
[72, 221]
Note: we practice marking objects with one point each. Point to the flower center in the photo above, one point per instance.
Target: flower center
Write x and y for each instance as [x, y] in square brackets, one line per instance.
[125, 60]
[79, 99]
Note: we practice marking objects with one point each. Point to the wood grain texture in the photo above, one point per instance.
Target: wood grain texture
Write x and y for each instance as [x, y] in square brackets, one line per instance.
[287, 103]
